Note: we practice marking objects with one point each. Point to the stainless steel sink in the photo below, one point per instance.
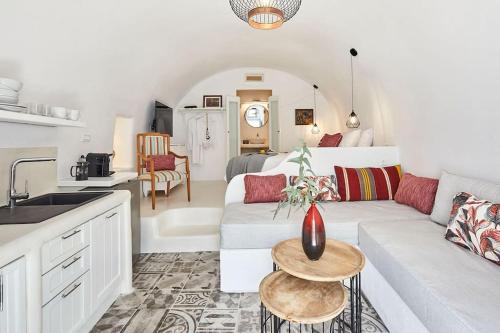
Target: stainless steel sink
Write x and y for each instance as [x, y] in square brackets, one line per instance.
[41, 208]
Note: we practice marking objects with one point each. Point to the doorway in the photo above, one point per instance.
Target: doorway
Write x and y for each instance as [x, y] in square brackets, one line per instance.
[254, 120]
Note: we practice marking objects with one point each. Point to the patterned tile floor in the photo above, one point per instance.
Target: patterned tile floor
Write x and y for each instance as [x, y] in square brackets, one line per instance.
[179, 293]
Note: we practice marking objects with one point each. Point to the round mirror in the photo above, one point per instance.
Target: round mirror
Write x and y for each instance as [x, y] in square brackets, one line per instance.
[256, 115]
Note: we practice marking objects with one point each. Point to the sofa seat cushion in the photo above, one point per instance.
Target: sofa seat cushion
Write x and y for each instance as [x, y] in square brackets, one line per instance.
[448, 288]
[252, 226]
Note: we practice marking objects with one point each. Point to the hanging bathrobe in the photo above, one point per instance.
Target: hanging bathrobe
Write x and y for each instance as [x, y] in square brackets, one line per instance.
[195, 139]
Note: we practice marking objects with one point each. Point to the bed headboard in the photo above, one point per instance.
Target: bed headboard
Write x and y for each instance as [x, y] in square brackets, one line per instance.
[322, 162]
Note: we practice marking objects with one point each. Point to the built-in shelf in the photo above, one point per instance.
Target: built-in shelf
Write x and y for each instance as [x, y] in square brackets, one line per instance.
[201, 110]
[114, 179]
[33, 119]
[254, 145]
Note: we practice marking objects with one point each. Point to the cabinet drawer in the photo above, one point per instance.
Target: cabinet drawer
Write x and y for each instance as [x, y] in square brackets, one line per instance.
[64, 246]
[69, 310]
[58, 278]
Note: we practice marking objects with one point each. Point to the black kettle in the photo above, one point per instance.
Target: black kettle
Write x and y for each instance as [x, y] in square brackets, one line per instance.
[81, 169]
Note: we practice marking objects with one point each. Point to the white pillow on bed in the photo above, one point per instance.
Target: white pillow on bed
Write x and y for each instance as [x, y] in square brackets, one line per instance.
[350, 139]
[366, 139]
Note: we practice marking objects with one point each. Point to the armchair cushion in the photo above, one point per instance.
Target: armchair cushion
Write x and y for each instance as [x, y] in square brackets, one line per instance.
[161, 162]
[164, 176]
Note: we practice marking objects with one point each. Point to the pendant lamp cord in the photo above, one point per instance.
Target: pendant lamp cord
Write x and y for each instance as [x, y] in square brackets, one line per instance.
[314, 113]
[352, 87]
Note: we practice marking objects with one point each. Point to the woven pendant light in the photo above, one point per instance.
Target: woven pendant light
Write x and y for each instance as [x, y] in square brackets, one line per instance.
[265, 14]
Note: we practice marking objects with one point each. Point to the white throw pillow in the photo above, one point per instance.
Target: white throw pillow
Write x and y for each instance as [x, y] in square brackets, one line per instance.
[366, 139]
[450, 185]
[350, 139]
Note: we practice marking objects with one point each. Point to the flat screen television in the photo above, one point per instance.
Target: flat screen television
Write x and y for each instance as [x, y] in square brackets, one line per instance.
[163, 119]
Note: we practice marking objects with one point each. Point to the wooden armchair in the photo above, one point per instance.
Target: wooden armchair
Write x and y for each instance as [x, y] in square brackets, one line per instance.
[149, 144]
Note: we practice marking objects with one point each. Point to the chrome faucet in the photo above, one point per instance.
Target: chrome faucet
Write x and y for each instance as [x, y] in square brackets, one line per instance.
[13, 195]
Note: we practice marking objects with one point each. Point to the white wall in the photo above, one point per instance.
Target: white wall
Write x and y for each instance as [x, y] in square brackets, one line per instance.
[293, 93]
[428, 71]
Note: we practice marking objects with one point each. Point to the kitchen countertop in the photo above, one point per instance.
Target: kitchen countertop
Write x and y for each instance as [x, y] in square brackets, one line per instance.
[114, 179]
[17, 240]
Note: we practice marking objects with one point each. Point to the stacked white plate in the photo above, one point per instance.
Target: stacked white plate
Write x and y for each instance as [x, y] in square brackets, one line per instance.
[9, 90]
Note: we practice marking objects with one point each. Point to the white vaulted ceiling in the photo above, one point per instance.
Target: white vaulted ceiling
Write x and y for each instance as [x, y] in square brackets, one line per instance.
[428, 71]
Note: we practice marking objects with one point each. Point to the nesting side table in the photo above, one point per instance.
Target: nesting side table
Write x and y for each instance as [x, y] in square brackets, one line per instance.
[312, 292]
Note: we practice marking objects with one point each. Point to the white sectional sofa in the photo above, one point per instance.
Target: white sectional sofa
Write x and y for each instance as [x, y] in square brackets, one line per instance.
[416, 280]
[248, 232]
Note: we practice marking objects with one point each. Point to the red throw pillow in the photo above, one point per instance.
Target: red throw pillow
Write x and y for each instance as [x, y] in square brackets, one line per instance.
[358, 184]
[474, 225]
[162, 162]
[417, 192]
[330, 140]
[264, 188]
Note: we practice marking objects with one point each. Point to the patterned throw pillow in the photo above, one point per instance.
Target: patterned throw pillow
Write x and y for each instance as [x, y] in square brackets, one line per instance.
[264, 188]
[475, 225]
[330, 140]
[326, 184]
[162, 162]
[358, 184]
[417, 192]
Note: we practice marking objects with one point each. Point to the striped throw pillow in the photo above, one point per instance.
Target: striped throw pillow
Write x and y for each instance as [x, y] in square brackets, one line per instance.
[359, 184]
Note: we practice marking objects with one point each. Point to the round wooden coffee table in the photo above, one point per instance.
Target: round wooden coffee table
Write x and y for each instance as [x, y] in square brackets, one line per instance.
[340, 263]
[302, 301]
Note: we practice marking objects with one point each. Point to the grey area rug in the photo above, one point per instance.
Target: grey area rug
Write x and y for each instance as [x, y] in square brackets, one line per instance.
[180, 292]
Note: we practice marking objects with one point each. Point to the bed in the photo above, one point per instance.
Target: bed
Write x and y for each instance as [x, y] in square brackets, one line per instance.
[252, 163]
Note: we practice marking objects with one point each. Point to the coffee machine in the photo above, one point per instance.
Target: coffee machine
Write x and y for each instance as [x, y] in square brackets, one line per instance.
[99, 164]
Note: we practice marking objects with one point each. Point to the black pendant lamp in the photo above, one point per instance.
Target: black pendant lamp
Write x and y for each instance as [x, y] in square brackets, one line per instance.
[352, 120]
[315, 128]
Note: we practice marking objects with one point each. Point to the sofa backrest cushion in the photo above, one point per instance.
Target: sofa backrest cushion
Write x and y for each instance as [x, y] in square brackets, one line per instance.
[358, 184]
[327, 186]
[473, 225]
[450, 185]
[264, 188]
[417, 192]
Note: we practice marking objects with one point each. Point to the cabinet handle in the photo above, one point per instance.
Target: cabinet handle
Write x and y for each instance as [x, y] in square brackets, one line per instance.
[71, 263]
[75, 286]
[1, 293]
[71, 235]
[110, 216]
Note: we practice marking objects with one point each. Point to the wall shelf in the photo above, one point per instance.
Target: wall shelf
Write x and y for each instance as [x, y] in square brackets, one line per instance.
[201, 110]
[32, 119]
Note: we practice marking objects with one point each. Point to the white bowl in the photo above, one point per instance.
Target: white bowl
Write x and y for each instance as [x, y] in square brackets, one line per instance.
[8, 92]
[73, 115]
[59, 112]
[13, 108]
[11, 83]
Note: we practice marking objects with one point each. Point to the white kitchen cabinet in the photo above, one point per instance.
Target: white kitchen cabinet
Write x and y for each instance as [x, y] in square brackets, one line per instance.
[69, 310]
[58, 278]
[105, 255]
[13, 297]
[64, 246]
